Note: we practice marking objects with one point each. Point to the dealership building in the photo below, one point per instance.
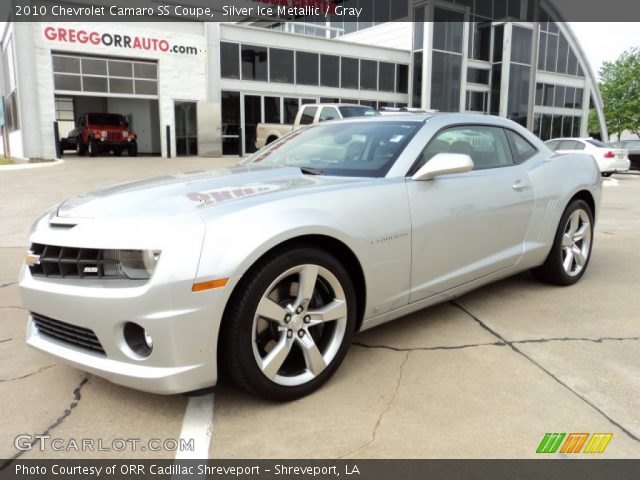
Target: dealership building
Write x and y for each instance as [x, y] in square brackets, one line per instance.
[194, 88]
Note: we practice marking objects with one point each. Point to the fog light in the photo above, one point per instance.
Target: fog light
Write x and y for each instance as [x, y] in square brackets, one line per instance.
[137, 339]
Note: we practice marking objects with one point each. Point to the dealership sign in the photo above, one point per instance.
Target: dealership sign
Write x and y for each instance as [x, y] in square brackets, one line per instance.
[106, 39]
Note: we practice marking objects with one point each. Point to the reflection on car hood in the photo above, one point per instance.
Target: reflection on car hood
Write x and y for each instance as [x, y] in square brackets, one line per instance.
[192, 192]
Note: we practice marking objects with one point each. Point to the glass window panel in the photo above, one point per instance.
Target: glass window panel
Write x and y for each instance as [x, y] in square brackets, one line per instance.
[572, 63]
[559, 97]
[418, 29]
[552, 53]
[563, 54]
[499, 9]
[386, 77]
[368, 75]
[498, 37]
[281, 65]
[230, 108]
[518, 102]
[402, 80]
[447, 30]
[513, 9]
[522, 148]
[120, 85]
[576, 127]
[308, 115]
[120, 69]
[305, 101]
[146, 87]
[349, 73]
[417, 80]
[567, 129]
[329, 100]
[330, 71]
[536, 124]
[65, 64]
[569, 97]
[365, 20]
[329, 113]
[399, 9]
[306, 68]
[477, 101]
[542, 50]
[496, 73]
[290, 109]
[539, 93]
[548, 95]
[145, 70]
[556, 127]
[478, 75]
[480, 38]
[521, 45]
[484, 8]
[67, 82]
[93, 66]
[254, 63]
[578, 100]
[545, 127]
[272, 109]
[445, 82]
[95, 84]
[229, 60]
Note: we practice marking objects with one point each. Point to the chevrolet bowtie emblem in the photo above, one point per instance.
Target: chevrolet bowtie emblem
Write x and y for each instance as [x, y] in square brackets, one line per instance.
[31, 259]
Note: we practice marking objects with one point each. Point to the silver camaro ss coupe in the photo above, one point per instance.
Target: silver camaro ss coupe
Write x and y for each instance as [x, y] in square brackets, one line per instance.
[268, 269]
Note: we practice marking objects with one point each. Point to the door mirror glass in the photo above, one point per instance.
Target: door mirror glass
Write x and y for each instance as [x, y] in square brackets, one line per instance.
[443, 164]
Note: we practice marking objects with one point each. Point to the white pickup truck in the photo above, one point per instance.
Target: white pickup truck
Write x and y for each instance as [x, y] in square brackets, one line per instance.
[310, 114]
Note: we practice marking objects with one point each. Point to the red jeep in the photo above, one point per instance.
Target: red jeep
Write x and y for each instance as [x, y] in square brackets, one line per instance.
[103, 132]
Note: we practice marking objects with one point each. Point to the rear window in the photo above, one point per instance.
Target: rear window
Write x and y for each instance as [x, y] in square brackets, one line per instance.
[308, 114]
[597, 143]
[105, 119]
[355, 111]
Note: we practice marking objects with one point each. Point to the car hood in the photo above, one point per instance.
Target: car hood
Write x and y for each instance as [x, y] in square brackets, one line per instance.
[194, 192]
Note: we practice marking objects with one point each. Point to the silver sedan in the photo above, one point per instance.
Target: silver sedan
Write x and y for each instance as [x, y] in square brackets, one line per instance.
[268, 269]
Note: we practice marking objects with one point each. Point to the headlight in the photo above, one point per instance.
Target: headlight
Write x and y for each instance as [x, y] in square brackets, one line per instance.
[138, 264]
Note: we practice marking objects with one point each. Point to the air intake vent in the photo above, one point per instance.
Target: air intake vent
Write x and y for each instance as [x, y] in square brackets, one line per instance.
[71, 334]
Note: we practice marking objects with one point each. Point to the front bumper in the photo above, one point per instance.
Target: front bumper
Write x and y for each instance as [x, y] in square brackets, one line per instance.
[184, 325]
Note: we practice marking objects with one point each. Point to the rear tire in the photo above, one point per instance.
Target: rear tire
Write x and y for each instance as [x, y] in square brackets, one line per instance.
[571, 251]
[132, 149]
[81, 148]
[93, 148]
[278, 343]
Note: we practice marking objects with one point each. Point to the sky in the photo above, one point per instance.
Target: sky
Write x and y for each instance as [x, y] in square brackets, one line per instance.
[605, 41]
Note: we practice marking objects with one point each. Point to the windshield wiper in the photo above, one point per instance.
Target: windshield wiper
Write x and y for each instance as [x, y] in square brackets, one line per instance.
[311, 171]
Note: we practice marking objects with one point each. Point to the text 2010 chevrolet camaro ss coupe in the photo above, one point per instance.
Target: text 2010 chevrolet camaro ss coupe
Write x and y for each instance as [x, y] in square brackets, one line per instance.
[268, 269]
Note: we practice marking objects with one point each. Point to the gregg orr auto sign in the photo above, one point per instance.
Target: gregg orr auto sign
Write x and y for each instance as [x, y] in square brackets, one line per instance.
[107, 39]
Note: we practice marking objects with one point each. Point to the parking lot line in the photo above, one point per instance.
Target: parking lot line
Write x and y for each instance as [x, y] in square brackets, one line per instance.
[197, 425]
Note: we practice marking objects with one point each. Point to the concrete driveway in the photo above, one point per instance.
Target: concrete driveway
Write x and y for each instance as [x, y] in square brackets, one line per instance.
[485, 376]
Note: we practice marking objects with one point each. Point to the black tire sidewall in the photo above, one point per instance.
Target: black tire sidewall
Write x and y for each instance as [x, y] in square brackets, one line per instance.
[242, 316]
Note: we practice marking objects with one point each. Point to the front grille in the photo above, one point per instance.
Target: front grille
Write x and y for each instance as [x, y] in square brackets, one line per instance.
[114, 136]
[68, 262]
[71, 334]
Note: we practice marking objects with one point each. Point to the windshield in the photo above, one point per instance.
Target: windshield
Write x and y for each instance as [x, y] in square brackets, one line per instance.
[361, 149]
[354, 111]
[597, 143]
[105, 119]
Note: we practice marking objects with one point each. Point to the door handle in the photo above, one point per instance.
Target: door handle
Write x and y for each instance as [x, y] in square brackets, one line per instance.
[519, 185]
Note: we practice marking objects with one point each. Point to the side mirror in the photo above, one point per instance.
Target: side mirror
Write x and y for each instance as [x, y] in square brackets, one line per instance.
[442, 164]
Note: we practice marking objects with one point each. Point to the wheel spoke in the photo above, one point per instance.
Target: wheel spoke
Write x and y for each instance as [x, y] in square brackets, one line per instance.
[579, 257]
[308, 278]
[574, 222]
[330, 312]
[580, 233]
[272, 363]
[270, 310]
[568, 260]
[312, 356]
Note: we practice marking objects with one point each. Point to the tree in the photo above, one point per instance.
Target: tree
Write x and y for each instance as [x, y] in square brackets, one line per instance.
[620, 90]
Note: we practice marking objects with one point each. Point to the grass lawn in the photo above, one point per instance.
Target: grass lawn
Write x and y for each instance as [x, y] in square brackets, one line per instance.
[6, 161]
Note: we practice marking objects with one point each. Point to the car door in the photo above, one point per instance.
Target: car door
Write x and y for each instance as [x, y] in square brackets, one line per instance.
[468, 225]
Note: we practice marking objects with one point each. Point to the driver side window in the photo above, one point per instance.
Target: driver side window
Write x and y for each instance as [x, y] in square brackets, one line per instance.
[487, 146]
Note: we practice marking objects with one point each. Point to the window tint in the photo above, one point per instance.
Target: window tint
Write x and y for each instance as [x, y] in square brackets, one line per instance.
[328, 113]
[368, 75]
[280, 65]
[329, 71]
[552, 144]
[386, 76]
[254, 63]
[349, 73]
[308, 114]
[487, 146]
[402, 78]
[306, 68]
[522, 149]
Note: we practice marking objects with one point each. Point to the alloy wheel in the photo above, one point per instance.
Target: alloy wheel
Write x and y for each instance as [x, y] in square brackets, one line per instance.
[299, 325]
[576, 243]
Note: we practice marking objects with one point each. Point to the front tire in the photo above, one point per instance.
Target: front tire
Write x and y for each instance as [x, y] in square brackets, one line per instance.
[571, 251]
[289, 324]
[93, 147]
[81, 149]
[132, 149]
